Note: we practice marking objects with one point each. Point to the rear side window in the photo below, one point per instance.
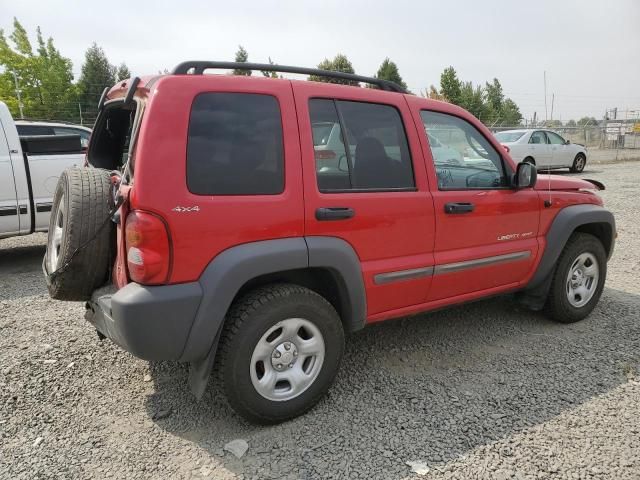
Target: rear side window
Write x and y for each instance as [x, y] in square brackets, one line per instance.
[235, 145]
[34, 130]
[359, 146]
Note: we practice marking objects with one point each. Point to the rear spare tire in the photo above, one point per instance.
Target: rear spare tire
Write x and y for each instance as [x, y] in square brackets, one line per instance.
[78, 223]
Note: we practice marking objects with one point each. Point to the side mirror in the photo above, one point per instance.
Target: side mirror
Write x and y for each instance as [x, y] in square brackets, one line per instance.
[567, 142]
[526, 175]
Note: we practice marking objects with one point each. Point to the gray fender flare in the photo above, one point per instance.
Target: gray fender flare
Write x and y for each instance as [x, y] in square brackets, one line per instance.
[565, 223]
[230, 270]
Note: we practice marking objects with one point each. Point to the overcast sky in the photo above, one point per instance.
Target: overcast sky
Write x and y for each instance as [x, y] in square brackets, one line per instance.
[590, 49]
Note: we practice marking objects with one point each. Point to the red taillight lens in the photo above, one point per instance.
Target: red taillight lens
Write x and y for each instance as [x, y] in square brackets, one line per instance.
[506, 148]
[325, 154]
[148, 248]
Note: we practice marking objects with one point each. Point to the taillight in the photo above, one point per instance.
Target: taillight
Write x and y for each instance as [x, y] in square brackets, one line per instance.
[325, 154]
[506, 148]
[148, 248]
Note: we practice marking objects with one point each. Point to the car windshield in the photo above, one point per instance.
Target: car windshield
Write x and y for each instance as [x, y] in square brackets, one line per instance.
[506, 137]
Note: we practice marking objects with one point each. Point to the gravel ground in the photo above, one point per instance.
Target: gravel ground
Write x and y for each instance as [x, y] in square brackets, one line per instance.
[487, 390]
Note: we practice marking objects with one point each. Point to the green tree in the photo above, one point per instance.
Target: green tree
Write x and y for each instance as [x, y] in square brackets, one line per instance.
[44, 76]
[269, 74]
[340, 63]
[571, 123]
[488, 103]
[389, 71]
[587, 121]
[96, 75]
[450, 86]
[241, 57]
[472, 99]
[123, 72]
[510, 113]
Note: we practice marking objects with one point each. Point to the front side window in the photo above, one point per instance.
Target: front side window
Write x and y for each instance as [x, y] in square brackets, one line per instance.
[462, 156]
[235, 145]
[538, 138]
[555, 139]
[359, 146]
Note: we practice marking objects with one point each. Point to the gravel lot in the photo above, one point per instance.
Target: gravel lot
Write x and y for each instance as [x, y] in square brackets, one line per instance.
[487, 390]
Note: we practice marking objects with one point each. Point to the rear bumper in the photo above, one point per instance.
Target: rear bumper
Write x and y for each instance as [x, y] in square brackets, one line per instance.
[152, 323]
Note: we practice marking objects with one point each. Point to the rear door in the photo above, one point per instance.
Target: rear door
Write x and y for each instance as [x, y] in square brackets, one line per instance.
[44, 170]
[486, 232]
[375, 197]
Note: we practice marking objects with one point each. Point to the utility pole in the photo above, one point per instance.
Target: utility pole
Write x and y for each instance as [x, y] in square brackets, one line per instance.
[553, 97]
[80, 111]
[545, 96]
[15, 78]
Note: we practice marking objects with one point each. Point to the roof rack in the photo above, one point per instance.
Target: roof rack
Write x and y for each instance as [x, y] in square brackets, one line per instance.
[197, 67]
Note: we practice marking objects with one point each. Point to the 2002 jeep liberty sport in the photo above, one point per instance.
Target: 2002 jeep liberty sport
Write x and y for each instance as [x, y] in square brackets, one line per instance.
[251, 222]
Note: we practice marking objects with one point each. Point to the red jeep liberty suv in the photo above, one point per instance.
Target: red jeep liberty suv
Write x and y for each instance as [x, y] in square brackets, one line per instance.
[251, 222]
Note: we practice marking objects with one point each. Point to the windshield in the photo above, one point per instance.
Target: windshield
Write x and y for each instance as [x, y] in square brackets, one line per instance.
[507, 137]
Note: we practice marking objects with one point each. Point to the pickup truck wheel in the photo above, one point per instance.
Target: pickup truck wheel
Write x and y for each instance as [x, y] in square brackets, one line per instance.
[578, 280]
[578, 163]
[281, 348]
[81, 204]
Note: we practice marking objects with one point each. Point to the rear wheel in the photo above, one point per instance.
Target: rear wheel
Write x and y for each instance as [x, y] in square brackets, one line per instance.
[578, 163]
[81, 204]
[530, 160]
[280, 352]
[578, 280]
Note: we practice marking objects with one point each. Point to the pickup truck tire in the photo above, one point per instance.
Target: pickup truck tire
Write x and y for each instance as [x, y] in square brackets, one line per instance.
[80, 237]
[280, 351]
[578, 280]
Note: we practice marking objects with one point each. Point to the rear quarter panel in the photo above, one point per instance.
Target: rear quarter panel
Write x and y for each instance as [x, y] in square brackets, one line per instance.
[219, 222]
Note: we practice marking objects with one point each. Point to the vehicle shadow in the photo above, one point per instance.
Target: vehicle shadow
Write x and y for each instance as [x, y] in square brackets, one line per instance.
[430, 388]
[23, 261]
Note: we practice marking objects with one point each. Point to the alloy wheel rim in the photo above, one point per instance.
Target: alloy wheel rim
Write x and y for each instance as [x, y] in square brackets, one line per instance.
[582, 279]
[55, 237]
[287, 359]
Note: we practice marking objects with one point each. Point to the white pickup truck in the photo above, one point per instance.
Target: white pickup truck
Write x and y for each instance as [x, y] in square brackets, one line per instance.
[29, 171]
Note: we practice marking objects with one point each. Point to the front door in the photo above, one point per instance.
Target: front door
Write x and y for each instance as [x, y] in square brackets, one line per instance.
[486, 231]
[539, 149]
[368, 186]
[9, 219]
[560, 151]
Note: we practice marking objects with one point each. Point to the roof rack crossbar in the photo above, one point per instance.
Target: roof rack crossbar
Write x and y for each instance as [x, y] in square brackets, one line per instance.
[197, 67]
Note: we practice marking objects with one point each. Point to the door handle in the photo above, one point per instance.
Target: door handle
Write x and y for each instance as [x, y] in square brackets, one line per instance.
[334, 213]
[462, 207]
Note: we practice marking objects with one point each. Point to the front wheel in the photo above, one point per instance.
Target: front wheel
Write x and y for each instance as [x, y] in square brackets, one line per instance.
[281, 349]
[578, 280]
[578, 163]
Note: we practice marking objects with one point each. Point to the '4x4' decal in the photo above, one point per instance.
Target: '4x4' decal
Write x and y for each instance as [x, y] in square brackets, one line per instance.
[180, 209]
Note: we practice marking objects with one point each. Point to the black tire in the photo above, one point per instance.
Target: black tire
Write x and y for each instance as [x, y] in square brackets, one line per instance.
[558, 306]
[86, 196]
[248, 320]
[529, 160]
[578, 163]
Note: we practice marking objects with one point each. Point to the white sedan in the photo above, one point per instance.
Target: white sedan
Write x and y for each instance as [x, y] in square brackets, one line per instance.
[543, 148]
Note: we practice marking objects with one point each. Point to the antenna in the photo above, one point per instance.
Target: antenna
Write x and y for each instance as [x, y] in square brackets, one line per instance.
[545, 96]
